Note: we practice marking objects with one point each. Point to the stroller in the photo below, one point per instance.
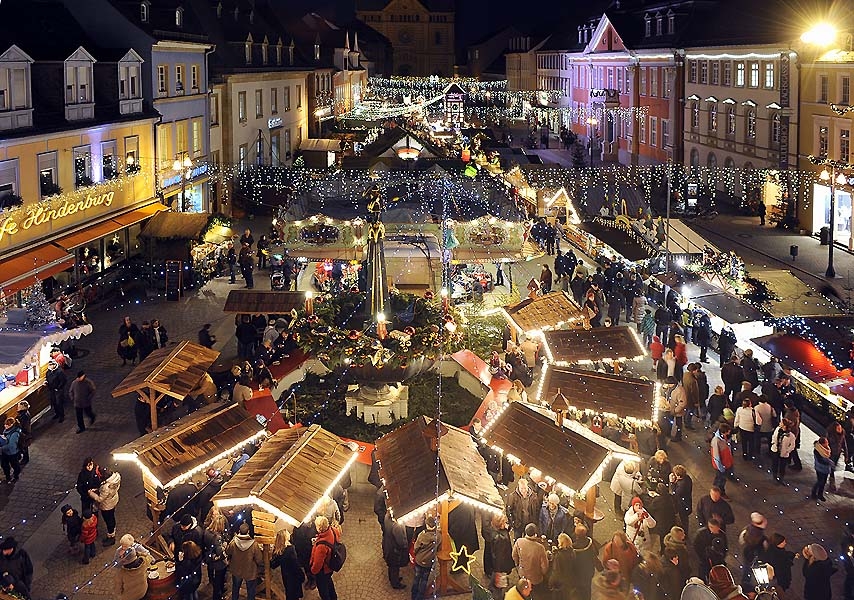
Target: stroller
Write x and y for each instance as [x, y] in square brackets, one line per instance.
[279, 278]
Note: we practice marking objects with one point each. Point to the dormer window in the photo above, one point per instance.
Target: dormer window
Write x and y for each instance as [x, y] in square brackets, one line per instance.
[236, 13]
[659, 24]
[265, 45]
[251, 17]
[247, 50]
[647, 25]
[179, 17]
[16, 105]
[291, 53]
[316, 51]
[279, 53]
[219, 10]
[79, 102]
[144, 8]
[671, 22]
[130, 83]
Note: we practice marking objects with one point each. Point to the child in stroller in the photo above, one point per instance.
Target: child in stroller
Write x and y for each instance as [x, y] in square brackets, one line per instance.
[279, 278]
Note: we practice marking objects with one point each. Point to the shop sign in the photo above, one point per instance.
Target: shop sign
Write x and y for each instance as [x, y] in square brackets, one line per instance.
[607, 94]
[274, 123]
[40, 215]
[176, 179]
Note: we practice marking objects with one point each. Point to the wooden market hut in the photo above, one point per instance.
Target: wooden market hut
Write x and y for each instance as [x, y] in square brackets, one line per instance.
[408, 467]
[175, 452]
[174, 371]
[555, 310]
[600, 393]
[569, 454]
[260, 302]
[584, 346]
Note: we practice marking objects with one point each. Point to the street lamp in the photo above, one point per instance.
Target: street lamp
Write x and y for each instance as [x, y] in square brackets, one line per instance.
[592, 122]
[831, 173]
[179, 166]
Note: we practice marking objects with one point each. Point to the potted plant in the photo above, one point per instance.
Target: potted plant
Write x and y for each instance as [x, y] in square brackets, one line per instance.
[11, 201]
[50, 189]
[83, 181]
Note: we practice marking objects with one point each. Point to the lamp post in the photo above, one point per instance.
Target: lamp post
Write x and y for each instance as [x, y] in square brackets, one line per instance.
[592, 122]
[833, 175]
[182, 162]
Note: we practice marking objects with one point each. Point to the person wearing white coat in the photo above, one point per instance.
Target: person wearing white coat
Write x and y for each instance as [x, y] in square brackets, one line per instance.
[107, 497]
[639, 525]
[782, 444]
[627, 482]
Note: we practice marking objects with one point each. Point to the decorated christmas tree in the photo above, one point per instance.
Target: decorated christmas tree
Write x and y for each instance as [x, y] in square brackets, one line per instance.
[39, 310]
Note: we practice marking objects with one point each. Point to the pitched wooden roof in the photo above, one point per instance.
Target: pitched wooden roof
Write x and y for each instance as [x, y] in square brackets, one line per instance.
[408, 468]
[169, 225]
[550, 311]
[599, 392]
[193, 441]
[174, 370]
[571, 455]
[257, 302]
[295, 469]
[588, 345]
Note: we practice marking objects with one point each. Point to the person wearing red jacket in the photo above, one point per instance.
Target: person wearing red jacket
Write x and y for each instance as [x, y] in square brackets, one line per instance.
[327, 536]
[88, 534]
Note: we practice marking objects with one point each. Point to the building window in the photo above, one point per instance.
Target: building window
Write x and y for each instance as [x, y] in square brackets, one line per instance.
[179, 17]
[653, 131]
[727, 74]
[286, 98]
[671, 24]
[659, 24]
[274, 101]
[716, 72]
[769, 76]
[751, 125]
[181, 136]
[845, 90]
[162, 79]
[132, 153]
[143, 12]
[241, 157]
[647, 31]
[844, 144]
[82, 163]
[317, 52]
[822, 142]
[643, 81]
[299, 96]
[704, 72]
[823, 89]
[628, 87]
[642, 128]
[739, 74]
[730, 121]
[128, 81]
[48, 178]
[179, 78]
[241, 107]
[713, 116]
[197, 137]
[259, 104]
[437, 38]
[164, 146]
[712, 160]
[653, 81]
[695, 115]
[247, 51]
[109, 164]
[692, 72]
[264, 54]
[214, 109]
[754, 74]
[694, 157]
[775, 129]
[194, 77]
[665, 133]
[279, 53]
[275, 156]
[287, 144]
[78, 83]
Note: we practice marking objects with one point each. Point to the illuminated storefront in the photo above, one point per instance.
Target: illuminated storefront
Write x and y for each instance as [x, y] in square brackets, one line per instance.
[821, 212]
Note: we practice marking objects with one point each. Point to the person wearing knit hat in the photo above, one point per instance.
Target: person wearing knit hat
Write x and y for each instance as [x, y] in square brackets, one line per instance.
[817, 572]
[639, 525]
[15, 561]
[781, 559]
[131, 578]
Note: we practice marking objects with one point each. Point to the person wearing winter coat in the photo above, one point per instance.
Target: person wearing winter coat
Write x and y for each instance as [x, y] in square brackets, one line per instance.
[671, 579]
[713, 505]
[185, 529]
[627, 483]
[554, 518]
[782, 445]
[623, 551]
[817, 570]
[285, 558]
[72, 525]
[745, 421]
[666, 366]
[82, 392]
[523, 507]
[562, 579]
[691, 385]
[752, 540]
[750, 367]
[663, 505]
[646, 577]
[781, 559]
[765, 415]
[129, 336]
[608, 585]
[188, 570]
[530, 557]
[586, 557]
[838, 446]
[244, 558]
[107, 497]
[500, 548]
[659, 470]
[215, 543]
[10, 450]
[395, 550]
[56, 382]
[710, 546]
[646, 327]
[682, 490]
[656, 352]
[677, 541]
[88, 534]
[16, 562]
[678, 406]
[639, 525]
[131, 575]
[320, 554]
[823, 468]
[716, 404]
[424, 551]
[25, 422]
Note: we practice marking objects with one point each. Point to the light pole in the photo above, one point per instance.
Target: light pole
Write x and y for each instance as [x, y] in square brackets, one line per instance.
[182, 162]
[831, 173]
[592, 122]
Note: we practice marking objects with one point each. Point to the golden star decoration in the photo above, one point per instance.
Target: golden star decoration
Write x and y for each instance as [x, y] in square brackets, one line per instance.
[462, 560]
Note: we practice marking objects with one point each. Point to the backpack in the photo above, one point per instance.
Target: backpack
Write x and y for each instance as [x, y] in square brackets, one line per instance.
[337, 554]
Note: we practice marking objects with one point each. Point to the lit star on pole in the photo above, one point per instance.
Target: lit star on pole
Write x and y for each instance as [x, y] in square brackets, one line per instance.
[462, 560]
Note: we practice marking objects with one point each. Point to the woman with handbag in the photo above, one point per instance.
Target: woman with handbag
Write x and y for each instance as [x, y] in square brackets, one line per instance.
[128, 337]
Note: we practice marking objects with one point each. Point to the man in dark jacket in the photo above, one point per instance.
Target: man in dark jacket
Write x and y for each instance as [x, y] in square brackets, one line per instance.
[186, 530]
[395, 550]
[732, 376]
[245, 334]
[710, 545]
[703, 333]
[56, 381]
[554, 518]
[713, 505]
[671, 579]
[82, 392]
[682, 488]
[16, 562]
[523, 507]
[247, 265]
[662, 322]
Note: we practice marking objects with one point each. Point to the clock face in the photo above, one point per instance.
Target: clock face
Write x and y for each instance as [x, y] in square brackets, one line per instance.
[405, 37]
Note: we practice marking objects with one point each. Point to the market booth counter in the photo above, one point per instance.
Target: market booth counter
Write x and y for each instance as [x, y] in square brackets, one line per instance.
[410, 460]
[175, 371]
[561, 452]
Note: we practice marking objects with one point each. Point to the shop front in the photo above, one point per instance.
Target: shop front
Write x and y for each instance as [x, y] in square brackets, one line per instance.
[188, 191]
[821, 212]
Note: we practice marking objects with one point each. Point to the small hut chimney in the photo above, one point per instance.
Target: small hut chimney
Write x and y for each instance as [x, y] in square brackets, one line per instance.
[560, 406]
[433, 431]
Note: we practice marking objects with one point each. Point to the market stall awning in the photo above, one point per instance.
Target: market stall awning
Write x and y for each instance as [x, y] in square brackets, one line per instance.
[590, 345]
[620, 241]
[169, 225]
[39, 262]
[408, 467]
[290, 474]
[257, 302]
[600, 393]
[140, 214]
[550, 311]
[175, 452]
[174, 371]
[18, 345]
[571, 454]
[712, 299]
[89, 234]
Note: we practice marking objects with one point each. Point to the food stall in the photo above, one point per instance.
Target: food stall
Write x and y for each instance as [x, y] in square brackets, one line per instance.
[563, 453]
[588, 346]
[409, 457]
[531, 316]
